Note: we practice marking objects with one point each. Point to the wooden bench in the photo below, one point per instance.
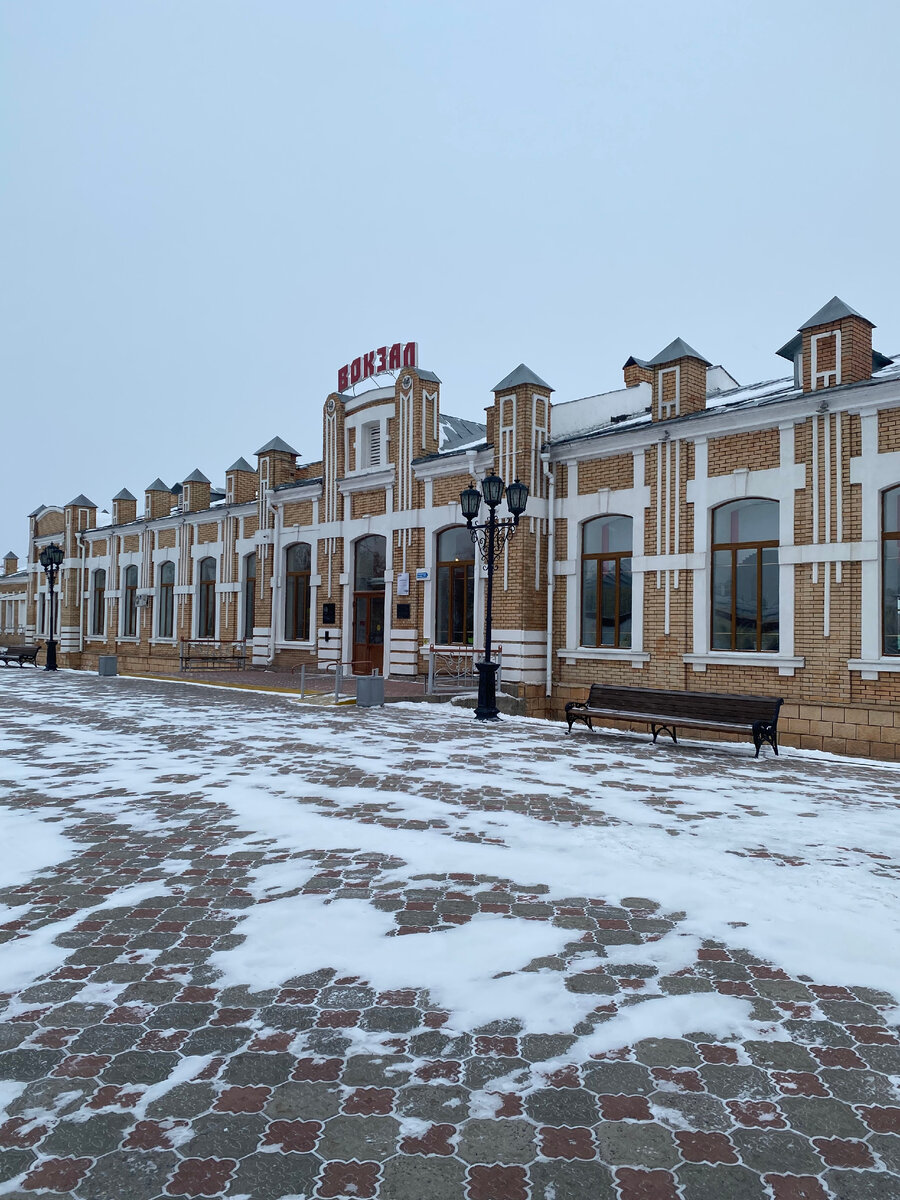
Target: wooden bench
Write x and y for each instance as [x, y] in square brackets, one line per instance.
[210, 653]
[667, 711]
[20, 655]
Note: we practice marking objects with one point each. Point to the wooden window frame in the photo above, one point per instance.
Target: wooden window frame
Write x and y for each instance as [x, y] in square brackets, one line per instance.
[886, 537]
[249, 614]
[601, 557]
[735, 548]
[129, 603]
[206, 601]
[98, 604]
[166, 603]
[297, 615]
[456, 564]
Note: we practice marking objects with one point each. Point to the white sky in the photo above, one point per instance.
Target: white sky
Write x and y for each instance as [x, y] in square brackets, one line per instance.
[206, 208]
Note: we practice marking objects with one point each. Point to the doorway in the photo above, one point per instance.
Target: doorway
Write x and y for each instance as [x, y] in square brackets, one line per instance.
[368, 605]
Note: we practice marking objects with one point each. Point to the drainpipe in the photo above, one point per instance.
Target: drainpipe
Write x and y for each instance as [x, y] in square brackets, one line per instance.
[276, 543]
[81, 590]
[550, 476]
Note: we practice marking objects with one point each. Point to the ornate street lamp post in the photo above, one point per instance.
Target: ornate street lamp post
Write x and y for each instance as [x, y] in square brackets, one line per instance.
[490, 537]
[51, 560]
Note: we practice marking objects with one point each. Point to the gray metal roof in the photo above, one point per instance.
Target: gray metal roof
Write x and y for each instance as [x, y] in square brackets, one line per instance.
[157, 486]
[675, 350]
[521, 375]
[790, 349]
[37, 512]
[636, 362]
[124, 495]
[457, 431]
[429, 375]
[196, 476]
[242, 465]
[834, 310]
[81, 502]
[10, 554]
[277, 443]
[460, 432]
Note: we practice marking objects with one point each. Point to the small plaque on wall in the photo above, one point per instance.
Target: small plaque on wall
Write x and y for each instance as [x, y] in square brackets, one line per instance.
[328, 614]
[403, 612]
[403, 583]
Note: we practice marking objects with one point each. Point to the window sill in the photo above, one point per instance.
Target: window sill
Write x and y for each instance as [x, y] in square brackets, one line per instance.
[295, 645]
[744, 658]
[131, 641]
[870, 667]
[637, 658]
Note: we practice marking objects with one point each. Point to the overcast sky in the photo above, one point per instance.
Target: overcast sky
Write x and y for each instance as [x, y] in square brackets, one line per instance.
[207, 207]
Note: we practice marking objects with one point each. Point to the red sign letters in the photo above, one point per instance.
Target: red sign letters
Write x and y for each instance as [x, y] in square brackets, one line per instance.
[385, 358]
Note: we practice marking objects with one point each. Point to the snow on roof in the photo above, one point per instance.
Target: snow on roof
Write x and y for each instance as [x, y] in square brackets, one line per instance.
[456, 433]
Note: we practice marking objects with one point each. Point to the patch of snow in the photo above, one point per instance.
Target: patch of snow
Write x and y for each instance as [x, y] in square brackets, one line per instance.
[30, 844]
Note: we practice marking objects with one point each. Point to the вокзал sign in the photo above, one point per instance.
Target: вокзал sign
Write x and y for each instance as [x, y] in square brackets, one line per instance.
[385, 358]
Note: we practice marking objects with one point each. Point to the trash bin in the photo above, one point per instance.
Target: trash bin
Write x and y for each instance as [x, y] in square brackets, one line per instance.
[108, 664]
[370, 691]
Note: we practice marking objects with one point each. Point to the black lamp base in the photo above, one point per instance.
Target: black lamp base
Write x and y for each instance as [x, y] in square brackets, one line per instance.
[51, 656]
[486, 709]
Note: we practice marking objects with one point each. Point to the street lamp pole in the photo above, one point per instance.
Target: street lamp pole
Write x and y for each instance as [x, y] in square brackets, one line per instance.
[51, 560]
[490, 537]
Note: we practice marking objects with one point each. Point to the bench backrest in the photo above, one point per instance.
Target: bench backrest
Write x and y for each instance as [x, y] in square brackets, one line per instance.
[704, 706]
[28, 650]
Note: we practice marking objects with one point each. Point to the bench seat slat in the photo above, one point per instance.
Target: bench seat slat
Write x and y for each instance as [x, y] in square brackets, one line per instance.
[665, 719]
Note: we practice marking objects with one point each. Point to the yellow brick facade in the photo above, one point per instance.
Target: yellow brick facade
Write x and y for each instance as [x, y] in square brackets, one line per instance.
[662, 454]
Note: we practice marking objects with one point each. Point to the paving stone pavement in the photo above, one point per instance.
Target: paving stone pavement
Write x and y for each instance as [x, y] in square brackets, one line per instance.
[145, 1078]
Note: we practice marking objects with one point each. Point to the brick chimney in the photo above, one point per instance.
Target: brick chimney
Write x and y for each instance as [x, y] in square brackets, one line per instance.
[836, 347]
[637, 370]
[195, 492]
[277, 464]
[241, 483]
[519, 427]
[679, 381]
[157, 500]
[124, 508]
[10, 562]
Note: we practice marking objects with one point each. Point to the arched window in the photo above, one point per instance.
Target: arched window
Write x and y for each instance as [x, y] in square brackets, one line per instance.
[249, 594]
[890, 570]
[206, 619]
[455, 594]
[129, 608]
[745, 576]
[98, 603]
[297, 563]
[166, 600]
[606, 582]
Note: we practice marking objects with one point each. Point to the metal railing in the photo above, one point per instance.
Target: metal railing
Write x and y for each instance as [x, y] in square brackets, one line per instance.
[323, 681]
[452, 668]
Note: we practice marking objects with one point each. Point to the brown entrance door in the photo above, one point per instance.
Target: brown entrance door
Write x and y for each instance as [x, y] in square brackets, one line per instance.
[368, 633]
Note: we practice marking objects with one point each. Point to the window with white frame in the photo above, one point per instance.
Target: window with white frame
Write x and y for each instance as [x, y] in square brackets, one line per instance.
[206, 616]
[166, 605]
[745, 576]
[890, 570]
[129, 606]
[98, 602]
[606, 550]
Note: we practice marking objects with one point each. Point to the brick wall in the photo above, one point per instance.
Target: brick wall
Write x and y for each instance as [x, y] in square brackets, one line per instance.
[757, 450]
